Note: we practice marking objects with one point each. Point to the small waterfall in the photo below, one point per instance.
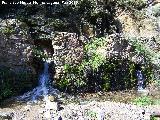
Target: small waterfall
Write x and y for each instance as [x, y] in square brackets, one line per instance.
[43, 81]
[43, 90]
[140, 85]
[140, 80]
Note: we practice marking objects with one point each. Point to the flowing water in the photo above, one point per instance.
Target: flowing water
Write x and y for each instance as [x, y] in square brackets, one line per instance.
[44, 79]
[140, 80]
[42, 90]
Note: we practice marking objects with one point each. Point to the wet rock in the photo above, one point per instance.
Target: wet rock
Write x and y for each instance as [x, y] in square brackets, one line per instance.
[52, 98]
[60, 118]
[51, 106]
[67, 49]
[47, 115]
[6, 116]
[27, 108]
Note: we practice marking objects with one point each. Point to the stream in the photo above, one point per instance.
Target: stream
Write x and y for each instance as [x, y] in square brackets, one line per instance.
[47, 103]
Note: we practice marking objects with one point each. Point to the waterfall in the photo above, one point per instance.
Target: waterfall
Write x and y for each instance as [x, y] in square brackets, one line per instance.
[43, 90]
[140, 80]
[43, 81]
[140, 85]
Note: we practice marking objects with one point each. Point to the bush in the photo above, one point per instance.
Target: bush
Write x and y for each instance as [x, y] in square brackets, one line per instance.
[143, 101]
[96, 72]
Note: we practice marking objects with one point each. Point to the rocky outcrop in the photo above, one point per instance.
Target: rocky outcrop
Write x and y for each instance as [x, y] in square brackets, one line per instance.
[144, 23]
[16, 49]
[67, 50]
[6, 116]
[16, 57]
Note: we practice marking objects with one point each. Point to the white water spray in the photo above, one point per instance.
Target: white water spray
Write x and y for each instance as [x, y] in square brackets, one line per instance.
[140, 85]
[43, 81]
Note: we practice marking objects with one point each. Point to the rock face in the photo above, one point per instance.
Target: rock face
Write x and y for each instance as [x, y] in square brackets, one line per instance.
[145, 26]
[16, 49]
[67, 50]
[8, 116]
[15, 54]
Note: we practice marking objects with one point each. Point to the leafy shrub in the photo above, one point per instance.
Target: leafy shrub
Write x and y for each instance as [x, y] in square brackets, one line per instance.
[7, 31]
[151, 57]
[38, 52]
[6, 83]
[96, 72]
[143, 101]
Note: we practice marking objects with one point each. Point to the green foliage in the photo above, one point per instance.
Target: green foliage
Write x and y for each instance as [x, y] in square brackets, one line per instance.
[150, 56]
[38, 52]
[6, 83]
[75, 76]
[140, 48]
[143, 101]
[95, 59]
[143, 49]
[7, 31]
[91, 114]
[97, 70]
[147, 70]
[153, 118]
[156, 102]
[156, 10]
[146, 101]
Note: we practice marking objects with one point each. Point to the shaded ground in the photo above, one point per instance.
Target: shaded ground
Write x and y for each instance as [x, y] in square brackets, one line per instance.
[126, 96]
[115, 96]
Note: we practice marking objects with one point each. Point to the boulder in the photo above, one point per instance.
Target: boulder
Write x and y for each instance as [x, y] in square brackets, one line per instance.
[67, 50]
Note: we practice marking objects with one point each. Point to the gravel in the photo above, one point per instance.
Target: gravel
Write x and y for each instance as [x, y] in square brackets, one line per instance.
[90, 111]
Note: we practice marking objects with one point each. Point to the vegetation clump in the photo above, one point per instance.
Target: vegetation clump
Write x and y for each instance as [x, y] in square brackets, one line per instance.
[97, 72]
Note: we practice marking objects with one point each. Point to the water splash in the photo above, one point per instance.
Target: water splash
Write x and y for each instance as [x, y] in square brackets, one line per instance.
[140, 80]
